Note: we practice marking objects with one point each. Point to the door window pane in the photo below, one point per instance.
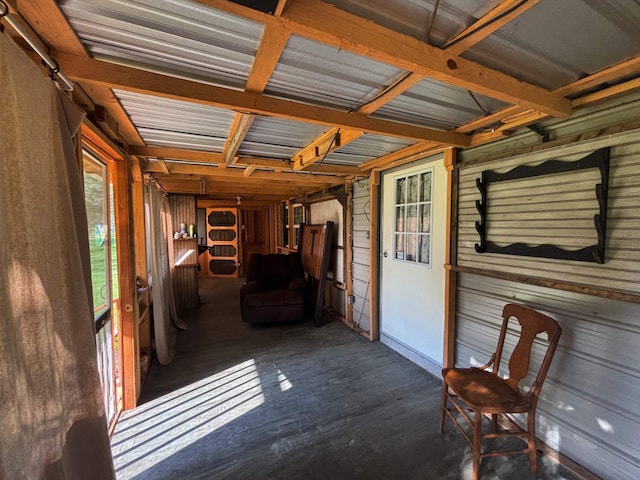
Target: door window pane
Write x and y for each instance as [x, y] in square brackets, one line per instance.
[413, 189]
[400, 190]
[425, 218]
[413, 218]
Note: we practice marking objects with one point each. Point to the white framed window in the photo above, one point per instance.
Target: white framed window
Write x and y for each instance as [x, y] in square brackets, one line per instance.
[413, 213]
[298, 218]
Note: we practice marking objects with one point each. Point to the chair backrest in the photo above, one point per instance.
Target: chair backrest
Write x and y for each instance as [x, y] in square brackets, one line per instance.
[532, 324]
[275, 270]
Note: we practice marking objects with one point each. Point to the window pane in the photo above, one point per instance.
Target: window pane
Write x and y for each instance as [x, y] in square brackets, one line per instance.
[425, 190]
[298, 215]
[399, 246]
[425, 218]
[412, 218]
[425, 248]
[400, 190]
[412, 246]
[95, 195]
[400, 219]
[413, 189]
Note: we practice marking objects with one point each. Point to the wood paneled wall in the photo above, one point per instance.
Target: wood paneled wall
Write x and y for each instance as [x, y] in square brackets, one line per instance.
[185, 273]
[361, 255]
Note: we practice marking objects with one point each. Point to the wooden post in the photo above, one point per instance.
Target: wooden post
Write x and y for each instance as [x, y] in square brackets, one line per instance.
[140, 252]
[450, 159]
[374, 252]
[126, 281]
[291, 241]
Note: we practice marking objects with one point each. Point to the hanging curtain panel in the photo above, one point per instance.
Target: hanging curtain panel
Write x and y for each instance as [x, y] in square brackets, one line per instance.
[53, 419]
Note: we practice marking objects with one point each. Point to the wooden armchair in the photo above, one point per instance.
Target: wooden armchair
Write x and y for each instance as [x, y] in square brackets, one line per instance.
[482, 392]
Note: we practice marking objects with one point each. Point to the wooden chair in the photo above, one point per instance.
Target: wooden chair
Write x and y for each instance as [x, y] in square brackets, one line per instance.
[482, 392]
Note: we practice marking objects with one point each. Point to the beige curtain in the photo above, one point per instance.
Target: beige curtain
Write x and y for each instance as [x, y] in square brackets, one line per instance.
[165, 317]
[52, 421]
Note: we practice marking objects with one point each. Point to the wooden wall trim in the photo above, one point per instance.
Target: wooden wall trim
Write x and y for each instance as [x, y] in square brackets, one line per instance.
[348, 255]
[127, 282]
[374, 254]
[451, 248]
[541, 282]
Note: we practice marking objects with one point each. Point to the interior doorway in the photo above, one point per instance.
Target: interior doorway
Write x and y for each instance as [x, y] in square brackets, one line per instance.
[254, 234]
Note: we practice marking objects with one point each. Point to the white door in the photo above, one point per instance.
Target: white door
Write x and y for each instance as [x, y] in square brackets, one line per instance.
[413, 238]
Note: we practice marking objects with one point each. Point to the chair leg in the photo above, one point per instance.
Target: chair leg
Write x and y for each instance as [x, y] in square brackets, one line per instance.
[494, 421]
[531, 441]
[477, 445]
[443, 404]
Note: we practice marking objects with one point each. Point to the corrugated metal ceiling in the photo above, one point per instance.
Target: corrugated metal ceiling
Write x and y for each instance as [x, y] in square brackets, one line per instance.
[551, 44]
[412, 17]
[177, 36]
[438, 105]
[177, 124]
[278, 138]
[366, 148]
[564, 41]
[311, 72]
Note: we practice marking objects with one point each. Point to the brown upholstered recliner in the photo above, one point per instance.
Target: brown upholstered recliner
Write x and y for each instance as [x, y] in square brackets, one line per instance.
[274, 290]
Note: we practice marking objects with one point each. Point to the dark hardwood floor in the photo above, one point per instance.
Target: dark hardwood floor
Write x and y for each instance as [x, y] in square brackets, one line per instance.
[291, 402]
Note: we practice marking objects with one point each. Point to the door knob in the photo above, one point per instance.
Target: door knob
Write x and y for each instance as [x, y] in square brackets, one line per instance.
[385, 254]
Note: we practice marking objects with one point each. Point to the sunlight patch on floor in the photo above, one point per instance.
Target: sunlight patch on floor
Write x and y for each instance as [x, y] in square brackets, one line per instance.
[149, 434]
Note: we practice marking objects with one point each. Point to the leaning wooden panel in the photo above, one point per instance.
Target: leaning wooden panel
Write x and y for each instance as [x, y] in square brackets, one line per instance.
[315, 251]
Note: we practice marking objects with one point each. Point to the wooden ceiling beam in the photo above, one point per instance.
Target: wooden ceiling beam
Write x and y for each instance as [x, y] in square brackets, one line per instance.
[239, 129]
[269, 51]
[328, 24]
[280, 165]
[325, 23]
[140, 81]
[216, 159]
[238, 174]
[600, 95]
[416, 151]
[239, 187]
[486, 25]
[612, 74]
[229, 191]
[322, 146]
[319, 147]
[163, 166]
[177, 154]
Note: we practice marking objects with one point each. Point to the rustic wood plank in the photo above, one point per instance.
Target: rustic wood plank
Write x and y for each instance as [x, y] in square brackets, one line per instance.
[302, 402]
[363, 37]
[140, 81]
[489, 23]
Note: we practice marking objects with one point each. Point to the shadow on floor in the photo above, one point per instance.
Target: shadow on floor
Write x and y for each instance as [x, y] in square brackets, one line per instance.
[291, 402]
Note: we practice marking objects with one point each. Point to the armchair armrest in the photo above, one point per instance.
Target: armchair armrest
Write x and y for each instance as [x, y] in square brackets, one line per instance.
[297, 284]
[251, 287]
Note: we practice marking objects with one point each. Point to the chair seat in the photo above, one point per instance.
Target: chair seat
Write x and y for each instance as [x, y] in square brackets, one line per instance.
[274, 298]
[484, 391]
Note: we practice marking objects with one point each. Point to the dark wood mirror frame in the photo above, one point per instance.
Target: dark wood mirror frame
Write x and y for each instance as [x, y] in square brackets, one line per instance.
[592, 253]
